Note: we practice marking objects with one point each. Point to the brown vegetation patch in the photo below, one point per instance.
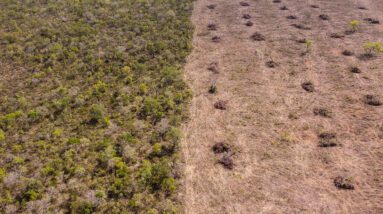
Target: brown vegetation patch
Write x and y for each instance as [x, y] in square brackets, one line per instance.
[244, 4]
[366, 56]
[227, 161]
[212, 89]
[221, 105]
[277, 1]
[284, 8]
[221, 147]
[291, 17]
[372, 21]
[308, 86]
[322, 112]
[271, 64]
[355, 70]
[249, 23]
[347, 53]
[302, 41]
[301, 27]
[216, 39]
[324, 17]
[349, 32]
[257, 37]
[372, 100]
[211, 6]
[336, 36]
[213, 67]
[343, 183]
[314, 6]
[327, 139]
[327, 135]
[212, 26]
[246, 16]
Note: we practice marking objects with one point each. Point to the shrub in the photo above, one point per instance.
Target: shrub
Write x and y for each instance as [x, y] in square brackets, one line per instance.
[81, 207]
[170, 75]
[157, 176]
[73, 140]
[169, 185]
[212, 89]
[33, 115]
[157, 149]
[57, 132]
[372, 48]
[49, 171]
[96, 114]
[2, 135]
[18, 160]
[143, 89]
[99, 88]
[2, 174]
[354, 25]
[309, 44]
[152, 108]
[7, 121]
[32, 191]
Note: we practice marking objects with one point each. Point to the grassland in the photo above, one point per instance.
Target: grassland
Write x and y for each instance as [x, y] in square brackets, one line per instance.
[91, 98]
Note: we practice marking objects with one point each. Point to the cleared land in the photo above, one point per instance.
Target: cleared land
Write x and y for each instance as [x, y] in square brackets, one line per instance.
[296, 115]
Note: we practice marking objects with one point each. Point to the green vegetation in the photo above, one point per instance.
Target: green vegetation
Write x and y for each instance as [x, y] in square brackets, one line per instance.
[309, 44]
[2, 135]
[354, 25]
[91, 104]
[372, 48]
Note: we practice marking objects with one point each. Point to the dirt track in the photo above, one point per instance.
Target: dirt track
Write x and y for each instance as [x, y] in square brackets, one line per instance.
[279, 167]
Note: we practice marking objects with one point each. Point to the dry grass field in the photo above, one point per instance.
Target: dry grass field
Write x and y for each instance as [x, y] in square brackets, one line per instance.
[301, 128]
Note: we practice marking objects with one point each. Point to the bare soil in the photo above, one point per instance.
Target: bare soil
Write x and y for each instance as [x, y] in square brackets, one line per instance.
[279, 167]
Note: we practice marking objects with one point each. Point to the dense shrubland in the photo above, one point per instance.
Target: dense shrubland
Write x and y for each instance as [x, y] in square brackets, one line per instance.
[89, 115]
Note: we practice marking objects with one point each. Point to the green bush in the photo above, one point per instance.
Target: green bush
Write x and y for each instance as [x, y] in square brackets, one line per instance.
[2, 135]
[81, 207]
[9, 120]
[152, 109]
[2, 174]
[33, 115]
[73, 140]
[354, 25]
[373, 47]
[96, 114]
[32, 191]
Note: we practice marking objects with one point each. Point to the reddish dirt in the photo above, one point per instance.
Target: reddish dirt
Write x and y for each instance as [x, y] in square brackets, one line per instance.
[279, 167]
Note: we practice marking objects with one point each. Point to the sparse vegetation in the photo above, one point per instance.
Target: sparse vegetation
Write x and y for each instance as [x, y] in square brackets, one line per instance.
[308, 43]
[213, 89]
[354, 26]
[344, 183]
[347, 53]
[221, 105]
[372, 100]
[323, 112]
[372, 48]
[308, 86]
[221, 147]
[91, 125]
[327, 139]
